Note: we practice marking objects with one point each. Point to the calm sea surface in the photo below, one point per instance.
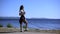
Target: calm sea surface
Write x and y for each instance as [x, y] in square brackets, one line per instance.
[44, 24]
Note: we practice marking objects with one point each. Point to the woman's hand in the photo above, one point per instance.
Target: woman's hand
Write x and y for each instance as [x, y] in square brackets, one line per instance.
[21, 13]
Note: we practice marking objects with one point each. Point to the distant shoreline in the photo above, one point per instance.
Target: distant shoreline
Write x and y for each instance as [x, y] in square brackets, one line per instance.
[27, 18]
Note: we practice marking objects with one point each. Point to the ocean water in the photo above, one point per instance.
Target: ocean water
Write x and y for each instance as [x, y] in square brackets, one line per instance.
[43, 24]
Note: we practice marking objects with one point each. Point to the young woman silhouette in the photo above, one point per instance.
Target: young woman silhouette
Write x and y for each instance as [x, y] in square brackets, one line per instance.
[22, 18]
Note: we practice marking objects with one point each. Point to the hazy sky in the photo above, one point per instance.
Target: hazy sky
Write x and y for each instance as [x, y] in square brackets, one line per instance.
[33, 8]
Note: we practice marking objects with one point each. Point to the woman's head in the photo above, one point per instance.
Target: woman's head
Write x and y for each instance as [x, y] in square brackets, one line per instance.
[21, 7]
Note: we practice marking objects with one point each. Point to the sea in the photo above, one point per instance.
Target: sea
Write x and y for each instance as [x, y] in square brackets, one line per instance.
[38, 23]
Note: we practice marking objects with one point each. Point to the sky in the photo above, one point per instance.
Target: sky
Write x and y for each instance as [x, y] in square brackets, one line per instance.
[33, 8]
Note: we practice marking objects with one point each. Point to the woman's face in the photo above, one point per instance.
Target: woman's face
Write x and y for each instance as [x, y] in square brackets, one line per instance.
[22, 7]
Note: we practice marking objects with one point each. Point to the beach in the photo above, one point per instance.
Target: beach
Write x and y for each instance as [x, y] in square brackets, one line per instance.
[30, 31]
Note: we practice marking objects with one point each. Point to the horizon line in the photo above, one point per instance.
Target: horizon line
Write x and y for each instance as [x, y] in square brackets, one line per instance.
[30, 18]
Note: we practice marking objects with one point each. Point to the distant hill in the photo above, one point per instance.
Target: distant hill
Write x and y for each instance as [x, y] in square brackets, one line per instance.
[26, 18]
[9, 17]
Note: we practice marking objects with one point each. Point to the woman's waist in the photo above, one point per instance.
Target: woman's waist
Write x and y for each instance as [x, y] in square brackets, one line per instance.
[22, 16]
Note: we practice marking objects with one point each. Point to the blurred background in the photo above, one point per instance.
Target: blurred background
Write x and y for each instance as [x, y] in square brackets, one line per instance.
[40, 14]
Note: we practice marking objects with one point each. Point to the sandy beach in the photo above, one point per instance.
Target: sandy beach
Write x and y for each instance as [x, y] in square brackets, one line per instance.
[30, 31]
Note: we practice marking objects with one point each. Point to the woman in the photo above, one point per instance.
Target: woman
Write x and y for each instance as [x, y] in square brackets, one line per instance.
[22, 18]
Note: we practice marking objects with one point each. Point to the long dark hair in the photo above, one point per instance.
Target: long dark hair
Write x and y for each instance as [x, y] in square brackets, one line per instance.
[21, 7]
